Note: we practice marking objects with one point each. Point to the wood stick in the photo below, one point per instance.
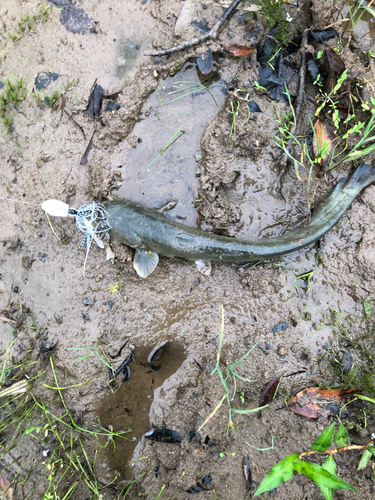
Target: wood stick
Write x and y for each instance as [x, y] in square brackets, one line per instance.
[211, 34]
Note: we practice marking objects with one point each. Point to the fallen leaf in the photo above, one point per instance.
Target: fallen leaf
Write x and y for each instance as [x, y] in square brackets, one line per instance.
[343, 112]
[323, 142]
[323, 36]
[329, 83]
[268, 391]
[241, 50]
[310, 402]
[196, 488]
[7, 320]
[331, 61]
[95, 100]
[265, 50]
[5, 487]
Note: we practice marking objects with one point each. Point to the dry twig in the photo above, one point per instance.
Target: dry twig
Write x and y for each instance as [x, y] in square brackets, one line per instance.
[211, 34]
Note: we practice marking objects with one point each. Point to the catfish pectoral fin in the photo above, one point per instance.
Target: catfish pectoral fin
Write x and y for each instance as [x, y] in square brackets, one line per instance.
[145, 262]
[204, 267]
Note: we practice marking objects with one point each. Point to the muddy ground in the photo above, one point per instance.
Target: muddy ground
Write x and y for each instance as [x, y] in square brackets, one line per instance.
[222, 180]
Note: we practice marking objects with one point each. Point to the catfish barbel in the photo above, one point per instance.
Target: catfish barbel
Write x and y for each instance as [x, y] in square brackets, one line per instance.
[152, 234]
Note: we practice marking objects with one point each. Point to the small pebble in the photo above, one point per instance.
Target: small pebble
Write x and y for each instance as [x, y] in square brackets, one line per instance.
[226, 293]
[156, 74]
[266, 374]
[281, 327]
[282, 350]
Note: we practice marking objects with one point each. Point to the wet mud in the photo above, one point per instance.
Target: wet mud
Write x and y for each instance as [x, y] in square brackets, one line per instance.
[303, 310]
[129, 406]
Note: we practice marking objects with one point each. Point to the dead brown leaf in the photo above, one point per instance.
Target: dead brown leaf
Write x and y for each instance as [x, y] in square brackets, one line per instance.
[240, 50]
[310, 402]
[5, 487]
[323, 143]
[268, 391]
[343, 112]
[332, 62]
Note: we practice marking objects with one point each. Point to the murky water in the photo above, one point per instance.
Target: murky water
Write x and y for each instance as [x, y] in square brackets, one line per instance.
[129, 407]
[160, 162]
[362, 22]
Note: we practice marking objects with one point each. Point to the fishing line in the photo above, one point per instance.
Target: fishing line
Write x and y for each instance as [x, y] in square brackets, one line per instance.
[20, 201]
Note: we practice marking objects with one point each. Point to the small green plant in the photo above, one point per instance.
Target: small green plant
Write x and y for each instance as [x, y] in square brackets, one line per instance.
[369, 106]
[230, 379]
[274, 13]
[27, 23]
[196, 202]
[92, 351]
[305, 276]
[13, 94]
[223, 453]
[53, 99]
[354, 12]
[234, 113]
[323, 475]
[114, 288]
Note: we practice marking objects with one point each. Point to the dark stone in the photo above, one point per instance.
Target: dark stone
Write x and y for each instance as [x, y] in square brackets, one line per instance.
[281, 327]
[42, 256]
[44, 79]
[322, 36]
[112, 106]
[88, 302]
[207, 479]
[253, 107]
[347, 362]
[164, 436]
[76, 20]
[201, 26]
[252, 34]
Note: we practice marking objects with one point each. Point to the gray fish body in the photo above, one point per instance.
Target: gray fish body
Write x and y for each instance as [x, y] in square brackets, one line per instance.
[146, 229]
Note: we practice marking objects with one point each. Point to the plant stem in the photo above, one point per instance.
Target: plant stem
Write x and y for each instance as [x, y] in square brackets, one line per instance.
[337, 450]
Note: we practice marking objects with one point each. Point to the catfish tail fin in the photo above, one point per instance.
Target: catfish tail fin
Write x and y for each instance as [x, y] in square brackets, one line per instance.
[362, 176]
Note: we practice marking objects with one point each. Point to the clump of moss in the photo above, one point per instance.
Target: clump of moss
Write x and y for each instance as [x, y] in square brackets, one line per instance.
[27, 23]
[11, 96]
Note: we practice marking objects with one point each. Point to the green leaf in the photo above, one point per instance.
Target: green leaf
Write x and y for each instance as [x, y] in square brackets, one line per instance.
[371, 449]
[245, 412]
[325, 440]
[364, 459]
[342, 437]
[322, 477]
[367, 306]
[330, 466]
[279, 473]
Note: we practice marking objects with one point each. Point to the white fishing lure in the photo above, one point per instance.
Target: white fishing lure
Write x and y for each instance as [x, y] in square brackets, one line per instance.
[56, 208]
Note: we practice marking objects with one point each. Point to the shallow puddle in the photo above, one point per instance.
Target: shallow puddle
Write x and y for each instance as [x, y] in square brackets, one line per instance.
[160, 158]
[129, 407]
[362, 23]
